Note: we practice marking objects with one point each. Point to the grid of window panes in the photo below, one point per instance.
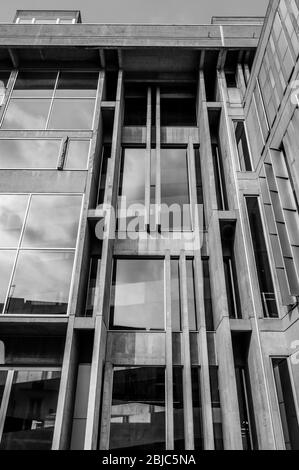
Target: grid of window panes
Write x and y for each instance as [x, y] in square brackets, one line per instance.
[52, 100]
[28, 408]
[280, 57]
[43, 154]
[38, 236]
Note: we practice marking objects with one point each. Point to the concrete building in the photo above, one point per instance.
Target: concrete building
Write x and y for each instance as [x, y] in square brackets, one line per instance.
[173, 333]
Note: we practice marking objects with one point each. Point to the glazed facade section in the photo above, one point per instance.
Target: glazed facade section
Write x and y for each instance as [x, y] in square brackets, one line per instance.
[177, 329]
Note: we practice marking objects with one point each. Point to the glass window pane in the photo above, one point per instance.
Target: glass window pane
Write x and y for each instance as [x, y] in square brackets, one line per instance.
[3, 375]
[178, 409]
[77, 155]
[77, 84]
[4, 77]
[138, 409]
[196, 401]
[41, 283]
[7, 258]
[52, 221]
[243, 148]
[207, 296]
[34, 84]
[72, 114]
[175, 190]
[137, 301]
[175, 296]
[12, 213]
[31, 412]
[216, 408]
[26, 114]
[29, 153]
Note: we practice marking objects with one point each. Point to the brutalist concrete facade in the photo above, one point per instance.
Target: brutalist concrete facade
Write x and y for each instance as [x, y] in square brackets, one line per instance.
[242, 167]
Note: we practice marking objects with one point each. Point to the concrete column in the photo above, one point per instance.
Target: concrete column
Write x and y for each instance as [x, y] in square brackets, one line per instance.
[168, 346]
[205, 390]
[158, 159]
[106, 406]
[187, 383]
[102, 299]
[147, 197]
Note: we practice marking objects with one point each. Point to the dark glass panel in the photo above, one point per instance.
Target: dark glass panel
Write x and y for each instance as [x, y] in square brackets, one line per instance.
[242, 144]
[175, 190]
[138, 409]
[175, 296]
[207, 296]
[72, 114]
[137, 297]
[135, 105]
[41, 283]
[7, 258]
[178, 105]
[197, 416]
[216, 408]
[3, 375]
[34, 84]
[261, 258]
[12, 213]
[26, 114]
[243, 408]
[91, 289]
[77, 155]
[31, 413]
[52, 221]
[106, 154]
[77, 84]
[178, 409]
[286, 403]
[29, 153]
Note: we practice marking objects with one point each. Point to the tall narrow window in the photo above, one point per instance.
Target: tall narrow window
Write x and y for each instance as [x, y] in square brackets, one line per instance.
[242, 145]
[176, 280]
[199, 189]
[207, 296]
[286, 403]
[137, 295]
[4, 77]
[261, 258]
[138, 409]
[196, 401]
[178, 409]
[135, 105]
[216, 408]
[175, 190]
[219, 179]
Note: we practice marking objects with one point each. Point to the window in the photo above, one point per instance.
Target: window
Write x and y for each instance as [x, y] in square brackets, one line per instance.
[175, 214]
[230, 77]
[196, 401]
[135, 105]
[138, 409]
[176, 319]
[178, 409]
[29, 408]
[38, 235]
[4, 77]
[216, 408]
[219, 179]
[242, 145]
[286, 403]
[178, 105]
[51, 100]
[261, 258]
[137, 295]
[207, 296]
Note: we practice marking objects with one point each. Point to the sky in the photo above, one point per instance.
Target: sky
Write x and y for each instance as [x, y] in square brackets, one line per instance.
[141, 11]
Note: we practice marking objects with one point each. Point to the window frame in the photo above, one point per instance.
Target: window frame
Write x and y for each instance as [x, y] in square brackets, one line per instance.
[19, 249]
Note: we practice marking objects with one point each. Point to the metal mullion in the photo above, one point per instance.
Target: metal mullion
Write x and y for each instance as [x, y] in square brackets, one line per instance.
[52, 100]
[5, 400]
[16, 256]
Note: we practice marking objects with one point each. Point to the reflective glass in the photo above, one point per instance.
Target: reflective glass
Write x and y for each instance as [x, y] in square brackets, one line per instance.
[34, 84]
[196, 401]
[138, 409]
[52, 221]
[191, 295]
[26, 114]
[4, 77]
[178, 409]
[41, 283]
[3, 375]
[31, 413]
[77, 155]
[137, 301]
[175, 189]
[12, 213]
[72, 114]
[29, 153]
[77, 84]
[7, 258]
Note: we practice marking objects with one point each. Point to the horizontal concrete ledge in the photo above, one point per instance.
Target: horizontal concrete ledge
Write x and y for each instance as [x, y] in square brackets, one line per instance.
[84, 323]
[33, 326]
[121, 35]
[240, 325]
[95, 214]
[108, 104]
